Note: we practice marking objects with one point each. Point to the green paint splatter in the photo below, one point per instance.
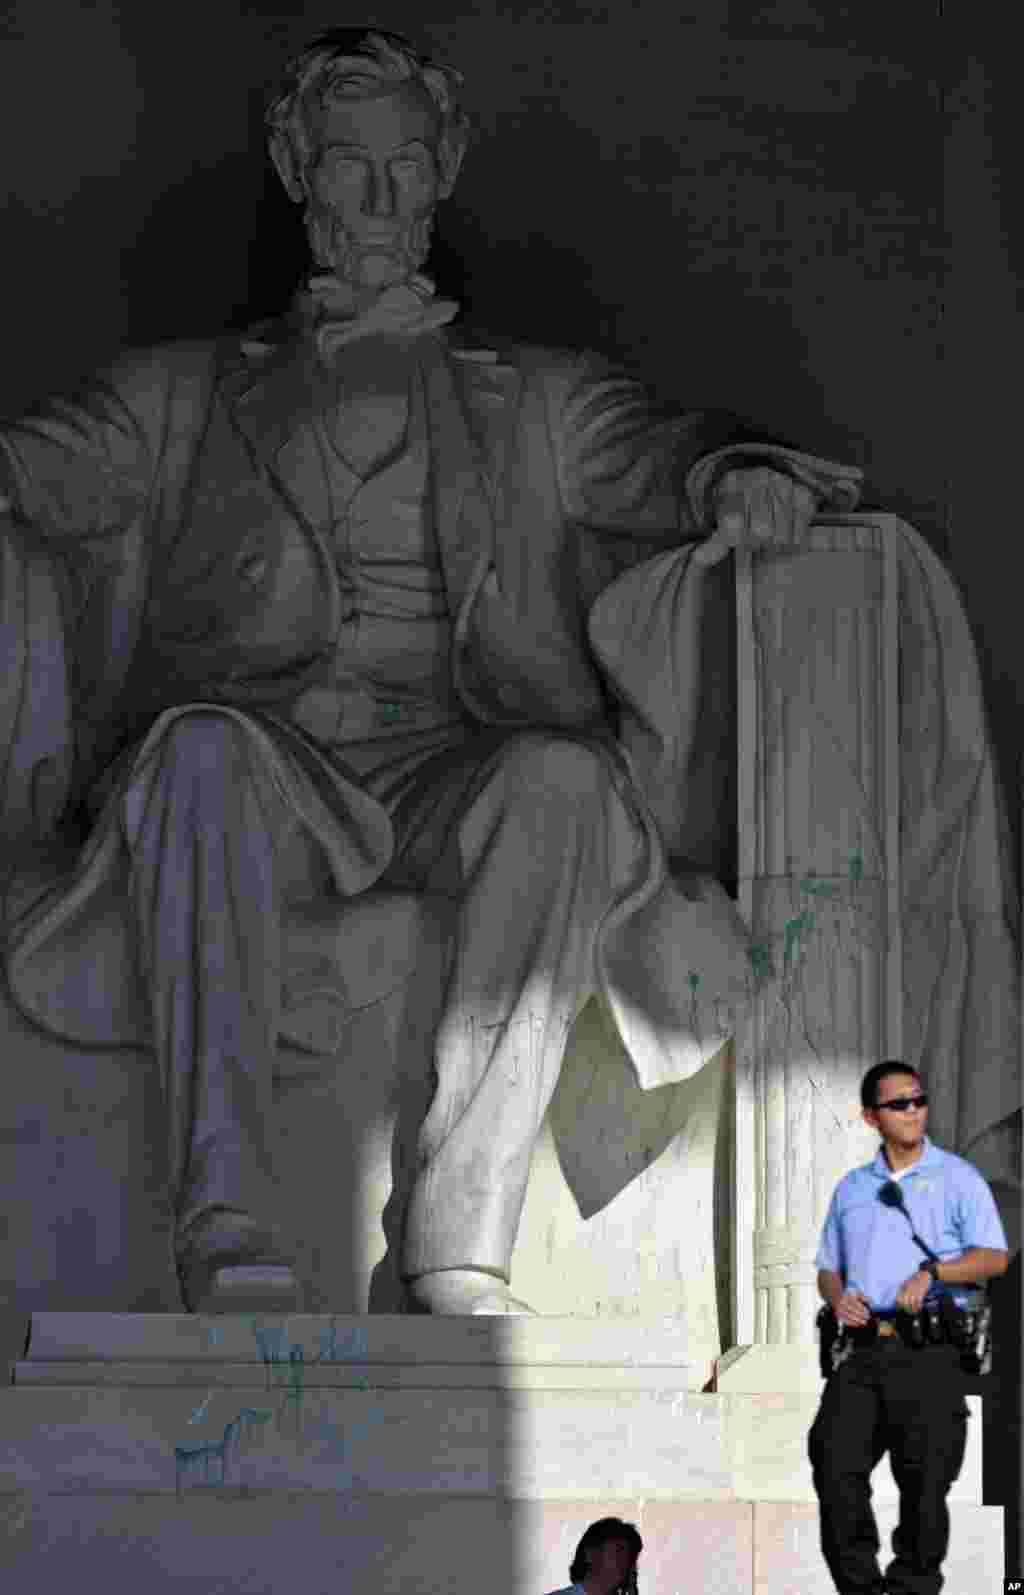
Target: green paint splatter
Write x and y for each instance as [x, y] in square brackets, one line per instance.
[355, 1347]
[819, 888]
[761, 962]
[794, 930]
[856, 867]
[296, 1375]
[200, 1412]
[189, 1458]
[273, 1343]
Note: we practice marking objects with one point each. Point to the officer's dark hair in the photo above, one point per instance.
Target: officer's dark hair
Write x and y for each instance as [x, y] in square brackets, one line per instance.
[877, 1072]
[598, 1534]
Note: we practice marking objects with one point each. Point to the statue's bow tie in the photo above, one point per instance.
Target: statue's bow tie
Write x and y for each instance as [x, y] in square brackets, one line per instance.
[407, 308]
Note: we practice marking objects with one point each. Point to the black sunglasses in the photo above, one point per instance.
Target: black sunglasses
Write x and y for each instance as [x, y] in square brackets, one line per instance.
[901, 1104]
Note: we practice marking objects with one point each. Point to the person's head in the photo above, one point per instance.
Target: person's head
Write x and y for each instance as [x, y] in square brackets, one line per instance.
[366, 133]
[885, 1095]
[607, 1554]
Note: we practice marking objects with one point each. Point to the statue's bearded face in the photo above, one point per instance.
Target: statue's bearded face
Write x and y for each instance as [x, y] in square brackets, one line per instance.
[373, 186]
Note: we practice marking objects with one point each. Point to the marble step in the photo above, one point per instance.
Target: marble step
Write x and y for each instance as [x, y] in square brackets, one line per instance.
[307, 1543]
[390, 1350]
[102, 1402]
[312, 1455]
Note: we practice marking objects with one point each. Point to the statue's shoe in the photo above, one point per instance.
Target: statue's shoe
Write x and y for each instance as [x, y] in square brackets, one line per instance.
[231, 1264]
[453, 1292]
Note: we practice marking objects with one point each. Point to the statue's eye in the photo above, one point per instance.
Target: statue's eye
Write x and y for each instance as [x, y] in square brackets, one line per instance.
[253, 569]
[335, 164]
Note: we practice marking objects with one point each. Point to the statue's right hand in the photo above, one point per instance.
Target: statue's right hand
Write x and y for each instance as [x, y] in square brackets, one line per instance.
[852, 1309]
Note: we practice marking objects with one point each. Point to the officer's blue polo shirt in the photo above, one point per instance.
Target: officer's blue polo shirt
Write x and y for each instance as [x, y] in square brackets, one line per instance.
[869, 1245]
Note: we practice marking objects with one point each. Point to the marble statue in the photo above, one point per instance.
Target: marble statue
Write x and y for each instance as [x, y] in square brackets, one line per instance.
[332, 606]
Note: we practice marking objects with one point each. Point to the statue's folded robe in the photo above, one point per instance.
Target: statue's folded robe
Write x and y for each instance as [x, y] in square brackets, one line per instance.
[73, 966]
[672, 955]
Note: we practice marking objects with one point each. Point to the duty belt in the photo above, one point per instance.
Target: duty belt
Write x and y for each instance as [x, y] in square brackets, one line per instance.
[968, 1330]
[883, 1325]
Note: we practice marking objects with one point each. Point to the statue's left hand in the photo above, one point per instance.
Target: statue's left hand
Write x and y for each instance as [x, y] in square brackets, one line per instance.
[757, 508]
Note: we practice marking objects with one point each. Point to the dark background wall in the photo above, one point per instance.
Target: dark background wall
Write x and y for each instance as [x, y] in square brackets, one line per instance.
[747, 202]
[800, 210]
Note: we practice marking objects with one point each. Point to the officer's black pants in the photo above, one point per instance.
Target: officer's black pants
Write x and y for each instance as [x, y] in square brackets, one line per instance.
[911, 1403]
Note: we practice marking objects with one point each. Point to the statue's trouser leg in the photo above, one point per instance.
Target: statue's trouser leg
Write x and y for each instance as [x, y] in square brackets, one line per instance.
[546, 845]
[202, 820]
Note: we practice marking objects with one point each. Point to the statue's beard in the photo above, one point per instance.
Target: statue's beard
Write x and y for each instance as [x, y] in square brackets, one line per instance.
[337, 249]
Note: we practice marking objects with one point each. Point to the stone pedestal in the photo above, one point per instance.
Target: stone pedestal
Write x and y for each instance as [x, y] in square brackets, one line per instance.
[314, 1454]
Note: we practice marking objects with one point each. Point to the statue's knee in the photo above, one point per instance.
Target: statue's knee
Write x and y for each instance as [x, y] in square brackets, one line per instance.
[560, 767]
[204, 742]
[197, 756]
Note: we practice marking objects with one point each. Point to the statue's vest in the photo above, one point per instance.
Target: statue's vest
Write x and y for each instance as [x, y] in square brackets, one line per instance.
[245, 603]
[392, 659]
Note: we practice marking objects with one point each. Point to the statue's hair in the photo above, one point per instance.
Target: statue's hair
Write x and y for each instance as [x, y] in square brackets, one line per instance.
[598, 1534]
[350, 63]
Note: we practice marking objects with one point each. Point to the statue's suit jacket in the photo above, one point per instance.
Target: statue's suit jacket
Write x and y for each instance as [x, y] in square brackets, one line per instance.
[190, 570]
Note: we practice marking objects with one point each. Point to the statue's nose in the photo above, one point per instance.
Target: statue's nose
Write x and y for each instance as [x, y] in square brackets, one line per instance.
[381, 198]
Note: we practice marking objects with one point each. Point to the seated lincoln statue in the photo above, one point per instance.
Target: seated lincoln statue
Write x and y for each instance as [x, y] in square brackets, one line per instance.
[337, 600]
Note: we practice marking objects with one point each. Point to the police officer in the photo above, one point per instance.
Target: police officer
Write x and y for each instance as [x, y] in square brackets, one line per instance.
[891, 1394]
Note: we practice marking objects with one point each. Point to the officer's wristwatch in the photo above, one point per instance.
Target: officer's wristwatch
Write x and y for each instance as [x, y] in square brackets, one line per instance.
[931, 1267]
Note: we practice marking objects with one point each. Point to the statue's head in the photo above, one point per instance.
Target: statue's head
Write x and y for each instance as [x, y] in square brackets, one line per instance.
[365, 132]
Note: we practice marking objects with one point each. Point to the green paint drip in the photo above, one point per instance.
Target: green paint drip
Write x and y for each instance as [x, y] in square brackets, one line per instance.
[200, 1412]
[296, 1375]
[761, 962]
[354, 1348]
[191, 1458]
[794, 930]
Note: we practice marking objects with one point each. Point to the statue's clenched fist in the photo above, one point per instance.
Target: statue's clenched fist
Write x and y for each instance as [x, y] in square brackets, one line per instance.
[756, 508]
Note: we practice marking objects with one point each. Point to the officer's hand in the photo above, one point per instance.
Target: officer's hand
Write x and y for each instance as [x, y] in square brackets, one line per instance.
[912, 1293]
[852, 1309]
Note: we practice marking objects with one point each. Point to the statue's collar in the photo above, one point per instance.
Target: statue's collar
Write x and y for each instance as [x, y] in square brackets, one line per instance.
[338, 316]
[274, 380]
